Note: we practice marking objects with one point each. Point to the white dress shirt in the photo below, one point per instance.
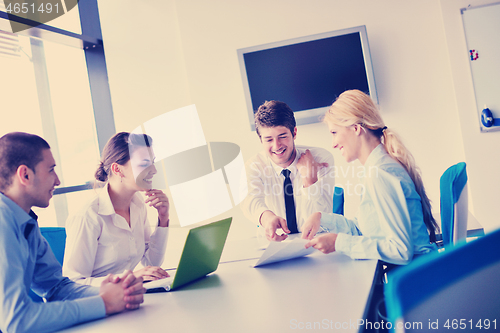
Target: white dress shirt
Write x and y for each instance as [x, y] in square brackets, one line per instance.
[389, 224]
[100, 242]
[265, 187]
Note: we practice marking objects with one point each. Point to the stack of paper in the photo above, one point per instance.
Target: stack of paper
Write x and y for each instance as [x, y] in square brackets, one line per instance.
[288, 249]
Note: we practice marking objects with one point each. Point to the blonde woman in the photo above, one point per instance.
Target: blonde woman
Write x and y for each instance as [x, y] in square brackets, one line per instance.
[394, 221]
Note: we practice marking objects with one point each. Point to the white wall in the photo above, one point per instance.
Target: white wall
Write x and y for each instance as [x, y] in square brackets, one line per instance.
[197, 63]
[145, 65]
[481, 149]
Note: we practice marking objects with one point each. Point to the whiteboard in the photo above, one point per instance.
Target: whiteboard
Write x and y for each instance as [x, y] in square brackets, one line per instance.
[482, 34]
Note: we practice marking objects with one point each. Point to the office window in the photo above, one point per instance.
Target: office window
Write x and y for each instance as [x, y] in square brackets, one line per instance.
[72, 111]
[18, 86]
[46, 91]
[69, 21]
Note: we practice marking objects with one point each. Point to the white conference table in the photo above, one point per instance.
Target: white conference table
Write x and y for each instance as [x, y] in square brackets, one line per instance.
[329, 291]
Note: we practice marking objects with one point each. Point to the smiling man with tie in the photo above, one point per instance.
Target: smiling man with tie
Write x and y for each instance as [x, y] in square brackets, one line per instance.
[286, 182]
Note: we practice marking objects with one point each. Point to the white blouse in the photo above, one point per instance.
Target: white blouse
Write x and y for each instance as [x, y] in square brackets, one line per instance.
[100, 242]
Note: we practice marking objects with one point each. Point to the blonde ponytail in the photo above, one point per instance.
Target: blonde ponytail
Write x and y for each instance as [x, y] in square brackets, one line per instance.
[399, 152]
[355, 107]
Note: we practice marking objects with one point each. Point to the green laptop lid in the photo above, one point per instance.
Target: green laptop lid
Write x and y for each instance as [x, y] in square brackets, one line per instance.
[202, 252]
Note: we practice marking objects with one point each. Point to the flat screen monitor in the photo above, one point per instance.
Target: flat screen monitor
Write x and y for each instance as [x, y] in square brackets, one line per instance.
[307, 73]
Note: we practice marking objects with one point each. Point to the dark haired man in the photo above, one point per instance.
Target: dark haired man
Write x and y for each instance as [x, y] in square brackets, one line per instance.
[27, 179]
[287, 183]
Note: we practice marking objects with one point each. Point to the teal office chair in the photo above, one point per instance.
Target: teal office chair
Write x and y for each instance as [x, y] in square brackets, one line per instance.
[338, 200]
[457, 288]
[454, 204]
[56, 237]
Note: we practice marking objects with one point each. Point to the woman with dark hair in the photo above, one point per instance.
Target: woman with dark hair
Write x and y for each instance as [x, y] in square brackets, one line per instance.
[111, 233]
[394, 221]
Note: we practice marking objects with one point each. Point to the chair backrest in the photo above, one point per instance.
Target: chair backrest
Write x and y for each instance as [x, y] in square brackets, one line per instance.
[460, 283]
[56, 237]
[338, 200]
[454, 204]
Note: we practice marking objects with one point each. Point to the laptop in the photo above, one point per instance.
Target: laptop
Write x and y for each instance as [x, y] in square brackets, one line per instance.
[200, 256]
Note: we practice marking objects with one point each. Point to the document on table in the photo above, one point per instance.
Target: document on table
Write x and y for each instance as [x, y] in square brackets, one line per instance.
[288, 249]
